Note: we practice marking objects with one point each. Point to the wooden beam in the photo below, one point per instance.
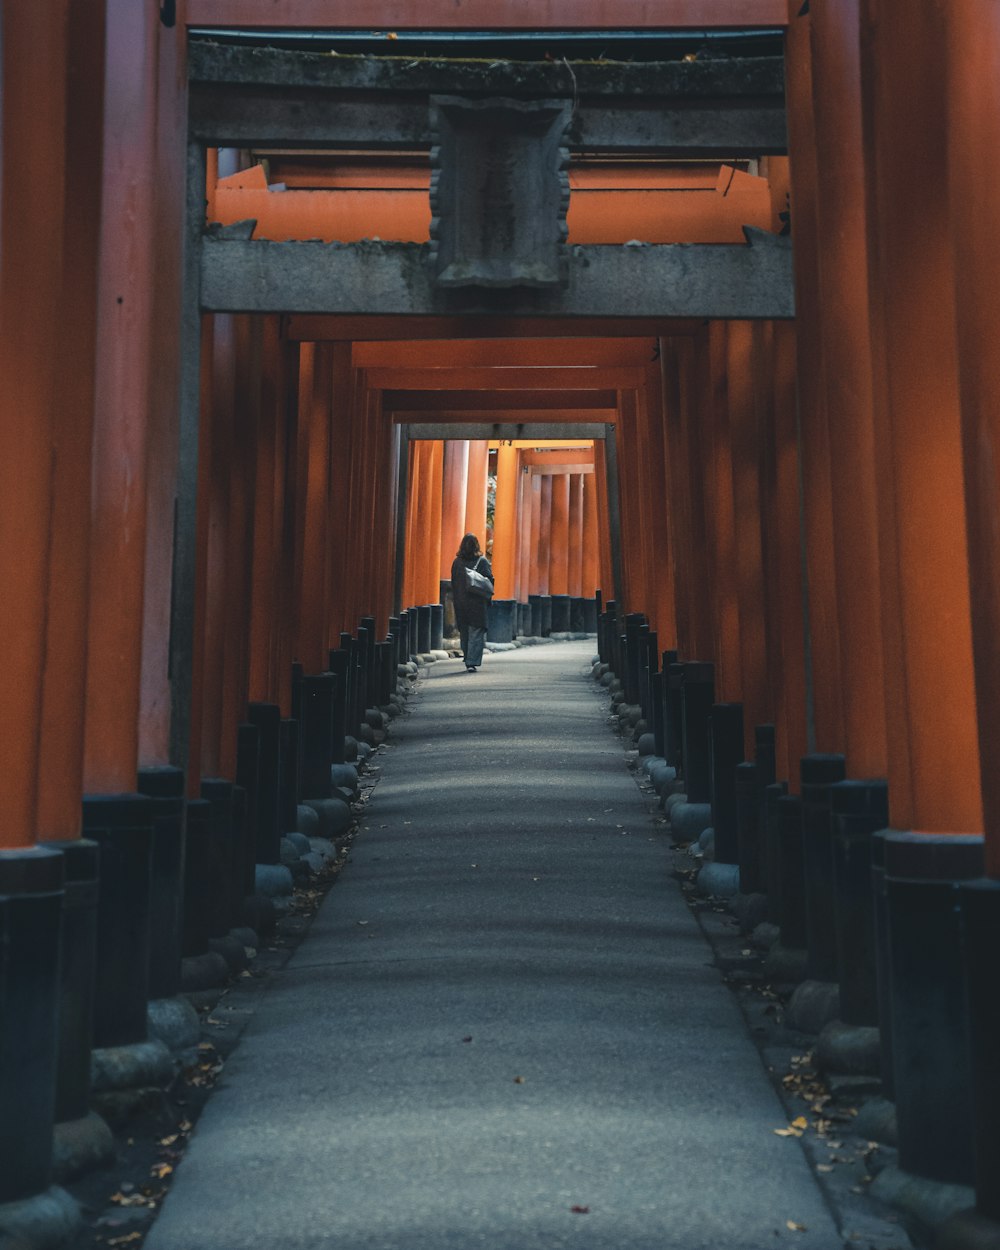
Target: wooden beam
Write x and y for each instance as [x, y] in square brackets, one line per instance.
[437, 354]
[441, 403]
[511, 378]
[505, 432]
[395, 15]
[316, 327]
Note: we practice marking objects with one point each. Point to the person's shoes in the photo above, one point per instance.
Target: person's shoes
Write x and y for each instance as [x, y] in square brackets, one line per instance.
[470, 668]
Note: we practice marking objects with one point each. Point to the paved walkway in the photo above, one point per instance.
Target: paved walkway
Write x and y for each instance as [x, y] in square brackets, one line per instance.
[503, 1029]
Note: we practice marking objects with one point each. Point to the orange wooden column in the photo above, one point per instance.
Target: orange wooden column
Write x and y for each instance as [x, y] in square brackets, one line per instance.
[535, 584]
[60, 770]
[545, 534]
[269, 464]
[314, 612]
[523, 530]
[590, 569]
[657, 485]
[845, 338]
[606, 581]
[559, 535]
[423, 547]
[685, 508]
[630, 595]
[122, 387]
[31, 252]
[475, 509]
[783, 528]
[505, 537]
[974, 132]
[455, 479]
[933, 750]
[747, 372]
[340, 556]
[720, 519]
[576, 534]
[826, 679]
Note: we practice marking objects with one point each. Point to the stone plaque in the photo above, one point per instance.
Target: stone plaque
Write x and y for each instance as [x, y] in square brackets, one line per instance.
[499, 192]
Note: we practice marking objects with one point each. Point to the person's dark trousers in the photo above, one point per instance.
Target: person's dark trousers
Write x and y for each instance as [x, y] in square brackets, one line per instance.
[473, 637]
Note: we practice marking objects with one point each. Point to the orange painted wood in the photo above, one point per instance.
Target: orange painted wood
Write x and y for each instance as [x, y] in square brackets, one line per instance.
[124, 345]
[341, 563]
[720, 519]
[827, 714]
[535, 575]
[239, 566]
[31, 250]
[314, 624]
[475, 506]
[483, 14]
[591, 579]
[523, 530]
[455, 486]
[264, 580]
[167, 227]
[404, 215]
[505, 524]
[416, 504]
[581, 403]
[545, 511]
[747, 368]
[606, 583]
[512, 378]
[492, 416]
[974, 116]
[60, 738]
[286, 497]
[923, 556]
[432, 539]
[661, 567]
[559, 535]
[493, 353]
[845, 332]
[786, 632]
[632, 597]
[314, 327]
[576, 535]
[557, 457]
[679, 476]
[200, 659]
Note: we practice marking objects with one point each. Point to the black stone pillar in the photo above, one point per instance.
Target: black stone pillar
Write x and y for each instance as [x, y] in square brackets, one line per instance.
[772, 842]
[791, 890]
[698, 695]
[218, 792]
[288, 790]
[500, 620]
[535, 606]
[317, 735]
[930, 1036]
[122, 825]
[980, 911]
[165, 787]
[817, 774]
[648, 668]
[673, 715]
[545, 606]
[634, 621]
[247, 778]
[859, 809]
[748, 828]
[78, 961]
[726, 737]
[31, 901]
[883, 970]
[590, 616]
[266, 717]
[659, 745]
[424, 628]
[560, 614]
[414, 623]
[578, 614]
[197, 878]
[340, 662]
[437, 626]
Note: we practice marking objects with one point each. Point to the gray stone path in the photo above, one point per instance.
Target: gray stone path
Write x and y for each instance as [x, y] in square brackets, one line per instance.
[504, 1011]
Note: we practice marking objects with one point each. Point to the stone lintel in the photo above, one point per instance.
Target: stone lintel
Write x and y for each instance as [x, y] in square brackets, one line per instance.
[752, 281]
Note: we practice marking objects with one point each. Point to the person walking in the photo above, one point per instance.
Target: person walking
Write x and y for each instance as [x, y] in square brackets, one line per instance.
[470, 609]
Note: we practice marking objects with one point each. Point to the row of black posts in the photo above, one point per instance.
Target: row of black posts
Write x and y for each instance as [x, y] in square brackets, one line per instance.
[93, 929]
[903, 923]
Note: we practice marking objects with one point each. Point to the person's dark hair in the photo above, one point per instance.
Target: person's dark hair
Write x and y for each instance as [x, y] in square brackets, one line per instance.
[469, 548]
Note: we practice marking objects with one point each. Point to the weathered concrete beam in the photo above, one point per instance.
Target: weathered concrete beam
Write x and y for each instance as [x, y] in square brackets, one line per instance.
[753, 281]
[726, 78]
[261, 117]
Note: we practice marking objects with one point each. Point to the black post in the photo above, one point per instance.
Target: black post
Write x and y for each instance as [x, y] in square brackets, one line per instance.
[630, 678]
[122, 825]
[817, 774]
[726, 737]
[78, 959]
[673, 715]
[197, 877]
[980, 909]
[791, 891]
[930, 1036]
[698, 695]
[657, 685]
[288, 814]
[317, 735]
[218, 792]
[247, 778]
[424, 628]
[31, 900]
[748, 818]
[340, 668]
[266, 717]
[859, 809]
[772, 841]
[165, 787]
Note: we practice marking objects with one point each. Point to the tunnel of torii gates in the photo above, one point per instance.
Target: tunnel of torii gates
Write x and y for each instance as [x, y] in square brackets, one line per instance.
[243, 424]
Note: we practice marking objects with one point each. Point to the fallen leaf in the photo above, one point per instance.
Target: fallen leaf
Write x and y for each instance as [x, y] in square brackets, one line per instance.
[467, 1039]
[169, 1141]
[580, 1210]
[795, 1228]
[518, 1080]
[128, 1240]
[160, 1170]
[800, 1121]
[824, 1167]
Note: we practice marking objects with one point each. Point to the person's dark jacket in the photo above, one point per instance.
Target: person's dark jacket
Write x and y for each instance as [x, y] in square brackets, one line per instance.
[469, 610]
